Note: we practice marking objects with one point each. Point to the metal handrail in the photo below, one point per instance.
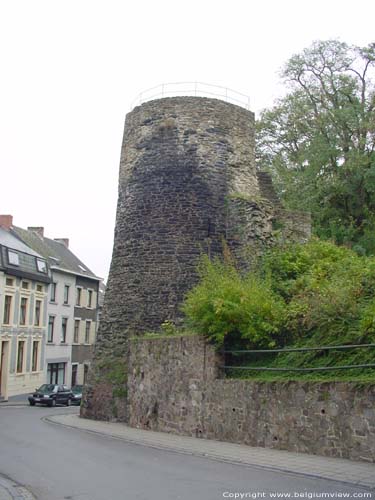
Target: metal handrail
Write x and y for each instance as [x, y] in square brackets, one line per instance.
[269, 369]
[299, 349]
[200, 89]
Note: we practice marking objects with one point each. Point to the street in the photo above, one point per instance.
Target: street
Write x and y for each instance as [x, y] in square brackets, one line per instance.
[60, 463]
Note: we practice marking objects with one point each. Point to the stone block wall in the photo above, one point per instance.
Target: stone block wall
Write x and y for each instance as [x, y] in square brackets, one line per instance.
[173, 386]
[188, 186]
[167, 380]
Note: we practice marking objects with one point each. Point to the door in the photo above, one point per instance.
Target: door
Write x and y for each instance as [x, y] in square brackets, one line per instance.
[56, 373]
[4, 346]
[74, 375]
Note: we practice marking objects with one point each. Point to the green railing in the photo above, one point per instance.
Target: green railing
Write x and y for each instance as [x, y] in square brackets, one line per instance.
[298, 349]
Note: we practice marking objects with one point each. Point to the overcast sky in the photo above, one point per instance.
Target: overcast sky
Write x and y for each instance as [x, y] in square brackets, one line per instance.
[71, 69]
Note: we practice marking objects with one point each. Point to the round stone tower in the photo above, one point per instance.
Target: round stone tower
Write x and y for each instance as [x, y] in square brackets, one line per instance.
[187, 184]
[181, 158]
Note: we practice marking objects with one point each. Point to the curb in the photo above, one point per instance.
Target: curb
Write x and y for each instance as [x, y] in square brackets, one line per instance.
[10, 490]
[360, 481]
[6, 404]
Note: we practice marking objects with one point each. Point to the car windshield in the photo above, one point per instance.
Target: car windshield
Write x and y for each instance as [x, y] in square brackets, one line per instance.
[77, 389]
[46, 388]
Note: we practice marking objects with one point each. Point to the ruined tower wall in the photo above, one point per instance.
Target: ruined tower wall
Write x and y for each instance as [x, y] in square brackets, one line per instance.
[180, 159]
[187, 183]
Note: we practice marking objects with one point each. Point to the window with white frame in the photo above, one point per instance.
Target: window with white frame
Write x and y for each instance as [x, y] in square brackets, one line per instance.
[76, 331]
[87, 332]
[89, 298]
[53, 292]
[35, 356]
[51, 328]
[78, 296]
[64, 328]
[23, 311]
[7, 309]
[66, 294]
[38, 312]
[13, 258]
[21, 356]
[41, 265]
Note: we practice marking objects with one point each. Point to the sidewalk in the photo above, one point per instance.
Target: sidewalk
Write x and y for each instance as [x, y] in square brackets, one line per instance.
[11, 491]
[337, 469]
[20, 400]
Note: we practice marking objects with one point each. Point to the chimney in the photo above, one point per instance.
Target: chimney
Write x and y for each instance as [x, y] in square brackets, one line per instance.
[6, 221]
[63, 241]
[38, 230]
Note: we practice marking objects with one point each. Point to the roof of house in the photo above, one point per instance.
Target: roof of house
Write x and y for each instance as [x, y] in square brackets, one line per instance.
[9, 240]
[55, 252]
[18, 259]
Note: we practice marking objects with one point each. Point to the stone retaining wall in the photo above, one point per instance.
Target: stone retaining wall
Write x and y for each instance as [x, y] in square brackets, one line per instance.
[173, 386]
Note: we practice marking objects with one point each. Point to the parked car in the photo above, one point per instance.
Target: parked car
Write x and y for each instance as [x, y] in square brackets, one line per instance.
[77, 394]
[51, 395]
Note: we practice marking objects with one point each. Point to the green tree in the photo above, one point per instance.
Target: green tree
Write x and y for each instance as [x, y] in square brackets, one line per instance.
[318, 141]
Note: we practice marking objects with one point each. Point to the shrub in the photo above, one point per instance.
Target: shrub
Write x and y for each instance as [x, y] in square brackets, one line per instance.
[230, 308]
[311, 294]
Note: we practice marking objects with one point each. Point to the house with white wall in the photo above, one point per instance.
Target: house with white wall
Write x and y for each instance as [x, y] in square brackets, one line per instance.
[24, 280]
[72, 308]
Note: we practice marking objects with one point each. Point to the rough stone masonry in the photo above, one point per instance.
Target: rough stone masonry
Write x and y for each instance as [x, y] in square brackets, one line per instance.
[187, 185]
[175, 386]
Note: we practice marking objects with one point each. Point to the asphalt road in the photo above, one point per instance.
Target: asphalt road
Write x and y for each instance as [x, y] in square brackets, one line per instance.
[58, 463]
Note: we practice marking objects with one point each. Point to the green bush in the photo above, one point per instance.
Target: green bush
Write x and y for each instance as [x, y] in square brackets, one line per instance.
[230, 308]
[313, 294]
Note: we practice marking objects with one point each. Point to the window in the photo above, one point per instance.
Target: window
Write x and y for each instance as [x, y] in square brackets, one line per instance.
[87, 332]
[66, 294]
[9, 282]
[53, 292]
[74, 375]
[64, 326]
[56, 373]
[39, 288]
[38, 309]
[13, 258]
[76, 331]
[85, 373]
[79, 296]
[51, 328]
[20, 356]
[23, 311]
[7, 309]
[25, 285]
[89, 298]
[35, 358]
[41, 265]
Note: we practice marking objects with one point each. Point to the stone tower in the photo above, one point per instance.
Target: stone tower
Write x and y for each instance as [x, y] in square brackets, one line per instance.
[187, 184]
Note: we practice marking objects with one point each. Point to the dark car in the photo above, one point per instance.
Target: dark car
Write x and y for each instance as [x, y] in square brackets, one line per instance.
[77, 394]
[51, 395]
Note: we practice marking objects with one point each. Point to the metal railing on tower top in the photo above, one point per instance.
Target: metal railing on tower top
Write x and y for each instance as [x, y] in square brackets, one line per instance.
[192, 89]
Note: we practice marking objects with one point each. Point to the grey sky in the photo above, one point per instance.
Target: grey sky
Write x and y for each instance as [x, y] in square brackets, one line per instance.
[71, 69]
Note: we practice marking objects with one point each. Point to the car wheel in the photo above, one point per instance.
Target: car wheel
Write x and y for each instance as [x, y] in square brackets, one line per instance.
[68, 402]
[32, 403]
